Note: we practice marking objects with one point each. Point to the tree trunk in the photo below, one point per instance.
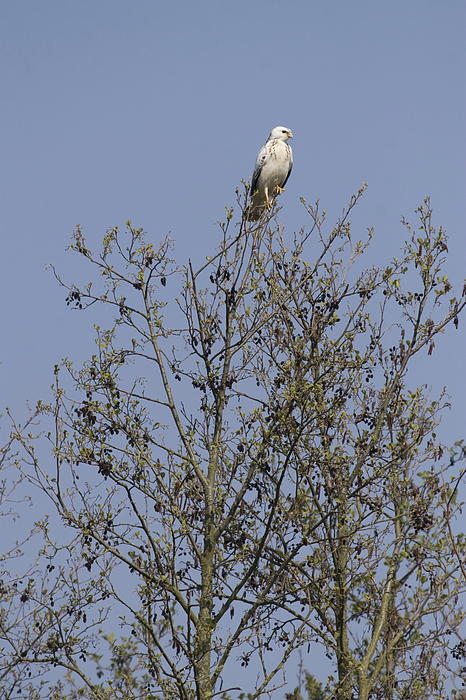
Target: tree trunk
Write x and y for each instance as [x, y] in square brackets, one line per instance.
[203, 649]
[341, 608]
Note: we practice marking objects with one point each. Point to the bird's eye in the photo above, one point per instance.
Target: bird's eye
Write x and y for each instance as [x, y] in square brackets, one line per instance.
[283, 131]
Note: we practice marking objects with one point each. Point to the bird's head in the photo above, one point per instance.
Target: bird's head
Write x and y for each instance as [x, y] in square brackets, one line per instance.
[282, 133]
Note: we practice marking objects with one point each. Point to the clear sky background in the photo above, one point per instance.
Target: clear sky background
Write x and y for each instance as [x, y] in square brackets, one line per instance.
[153, 111]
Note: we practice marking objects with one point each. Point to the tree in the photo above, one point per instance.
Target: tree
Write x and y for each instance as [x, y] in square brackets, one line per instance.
[242, 469]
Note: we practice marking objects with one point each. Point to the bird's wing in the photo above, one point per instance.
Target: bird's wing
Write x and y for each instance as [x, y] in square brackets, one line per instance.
[290, 168]
[260, 160]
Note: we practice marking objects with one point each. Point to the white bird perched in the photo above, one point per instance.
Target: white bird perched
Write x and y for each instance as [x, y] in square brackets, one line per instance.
[273, 167]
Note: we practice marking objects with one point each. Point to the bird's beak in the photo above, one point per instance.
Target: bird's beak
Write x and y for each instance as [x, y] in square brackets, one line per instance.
[290, 134]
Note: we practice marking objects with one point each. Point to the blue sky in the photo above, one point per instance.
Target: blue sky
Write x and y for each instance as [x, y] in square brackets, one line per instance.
[153, 111]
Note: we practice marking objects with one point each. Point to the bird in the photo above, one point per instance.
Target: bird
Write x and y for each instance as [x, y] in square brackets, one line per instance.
[272, 170]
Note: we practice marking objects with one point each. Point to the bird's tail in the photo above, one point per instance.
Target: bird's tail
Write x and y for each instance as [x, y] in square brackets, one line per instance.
[254, 212]
[255, 209]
